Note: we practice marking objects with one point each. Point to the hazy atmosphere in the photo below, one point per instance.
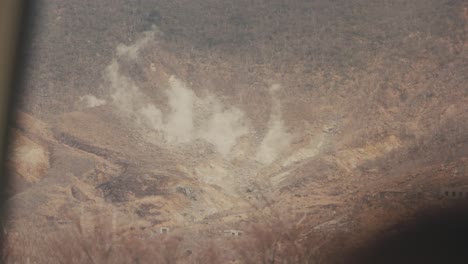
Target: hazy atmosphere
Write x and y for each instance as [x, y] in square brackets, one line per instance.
[215, 131]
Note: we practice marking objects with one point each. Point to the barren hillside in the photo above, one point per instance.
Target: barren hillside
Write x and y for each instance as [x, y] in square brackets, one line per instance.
[210, 115]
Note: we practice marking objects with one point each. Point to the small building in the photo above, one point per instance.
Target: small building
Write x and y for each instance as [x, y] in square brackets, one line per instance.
[232, 232]
[164, 230]
[391, 193]
[459, 192]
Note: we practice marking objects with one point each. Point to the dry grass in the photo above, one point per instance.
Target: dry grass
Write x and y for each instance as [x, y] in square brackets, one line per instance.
[273, 242]
[74, 245]
[432, 235]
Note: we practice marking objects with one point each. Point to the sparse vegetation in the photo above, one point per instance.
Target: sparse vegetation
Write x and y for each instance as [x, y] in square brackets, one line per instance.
[72, 244]
[163, 112]
[271, 243]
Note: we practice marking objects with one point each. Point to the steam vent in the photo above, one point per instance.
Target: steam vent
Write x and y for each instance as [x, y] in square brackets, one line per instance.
[247, 131]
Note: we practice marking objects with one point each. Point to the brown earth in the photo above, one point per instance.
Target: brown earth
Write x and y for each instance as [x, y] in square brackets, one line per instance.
[353, 115]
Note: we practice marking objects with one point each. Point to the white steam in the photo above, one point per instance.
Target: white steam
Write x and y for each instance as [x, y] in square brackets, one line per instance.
[133, 51]
[124, 92]
[179, 127]
[211, 120]
[152, 116]
[91, 101]
[188, 116]
[224, 128]
[277, 138]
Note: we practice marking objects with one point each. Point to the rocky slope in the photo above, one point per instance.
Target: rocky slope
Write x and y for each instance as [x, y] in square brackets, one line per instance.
[204, 115]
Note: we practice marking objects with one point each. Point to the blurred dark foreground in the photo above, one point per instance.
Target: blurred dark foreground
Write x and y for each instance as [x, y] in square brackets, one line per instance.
[434, 235]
